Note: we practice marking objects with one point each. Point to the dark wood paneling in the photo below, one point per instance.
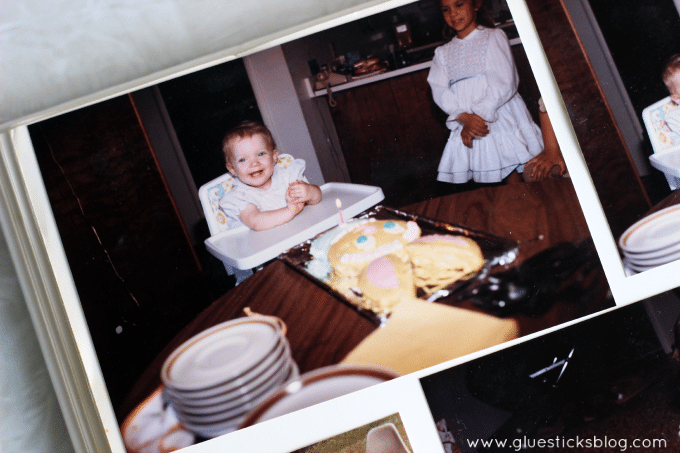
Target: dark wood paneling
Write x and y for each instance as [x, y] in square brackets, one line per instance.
[616, 180]
[135, 271]
[392, 135]
[528, 88]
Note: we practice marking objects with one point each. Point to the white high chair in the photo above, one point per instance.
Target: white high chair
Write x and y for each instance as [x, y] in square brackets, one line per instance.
[665, 143]
[210, 195]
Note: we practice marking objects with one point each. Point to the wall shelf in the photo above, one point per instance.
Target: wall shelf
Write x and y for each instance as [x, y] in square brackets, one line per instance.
[365, 80]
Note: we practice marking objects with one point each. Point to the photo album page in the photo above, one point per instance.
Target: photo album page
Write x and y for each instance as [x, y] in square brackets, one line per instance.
[432, 226]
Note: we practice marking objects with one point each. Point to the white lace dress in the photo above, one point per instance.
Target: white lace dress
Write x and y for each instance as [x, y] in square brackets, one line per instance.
[477, 74]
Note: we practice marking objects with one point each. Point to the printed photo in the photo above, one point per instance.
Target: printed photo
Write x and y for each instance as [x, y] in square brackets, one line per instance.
[346, 208]
[608, 383]
[382, 436]
[615, 65]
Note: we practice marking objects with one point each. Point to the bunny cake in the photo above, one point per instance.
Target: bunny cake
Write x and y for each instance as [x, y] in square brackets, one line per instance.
[429, 263]
[340, 254]
[376, 263]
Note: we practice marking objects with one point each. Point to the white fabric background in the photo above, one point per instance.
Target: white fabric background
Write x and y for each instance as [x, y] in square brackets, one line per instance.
[52, 52]
[30, 420]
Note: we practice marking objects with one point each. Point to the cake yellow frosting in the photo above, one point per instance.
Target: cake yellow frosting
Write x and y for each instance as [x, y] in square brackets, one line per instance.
[440, 260]
[358, 246]
[340, 254]
[386, 281]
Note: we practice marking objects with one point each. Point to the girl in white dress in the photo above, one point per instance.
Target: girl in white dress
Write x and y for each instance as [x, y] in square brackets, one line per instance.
[474, 80]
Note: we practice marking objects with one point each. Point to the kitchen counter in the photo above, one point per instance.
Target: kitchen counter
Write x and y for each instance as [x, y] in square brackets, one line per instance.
[366, 79]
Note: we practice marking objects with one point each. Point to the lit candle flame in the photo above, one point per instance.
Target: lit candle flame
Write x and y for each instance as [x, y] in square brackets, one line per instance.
[338, 203]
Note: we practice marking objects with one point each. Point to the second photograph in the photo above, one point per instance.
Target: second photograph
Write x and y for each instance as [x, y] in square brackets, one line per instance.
[617, 66]
[609, 383]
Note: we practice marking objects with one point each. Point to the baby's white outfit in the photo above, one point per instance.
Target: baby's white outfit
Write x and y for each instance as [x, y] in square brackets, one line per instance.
[264, 200]
[672, 119]
[477, 74]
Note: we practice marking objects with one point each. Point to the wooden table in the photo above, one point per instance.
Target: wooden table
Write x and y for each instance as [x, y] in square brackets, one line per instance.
[670, 200]
[322, 330]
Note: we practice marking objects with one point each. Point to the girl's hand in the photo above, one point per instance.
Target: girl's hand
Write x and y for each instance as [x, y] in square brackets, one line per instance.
[466, 137]
[474, 124]
[541, 166]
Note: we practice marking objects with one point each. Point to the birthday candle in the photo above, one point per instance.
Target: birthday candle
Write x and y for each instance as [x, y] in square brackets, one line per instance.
[338, 203]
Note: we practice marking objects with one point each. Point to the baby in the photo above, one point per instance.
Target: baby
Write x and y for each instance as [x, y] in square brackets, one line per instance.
[265, 195]
[671, 77]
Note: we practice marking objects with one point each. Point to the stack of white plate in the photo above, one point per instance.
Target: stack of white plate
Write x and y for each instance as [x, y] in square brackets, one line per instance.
[652, 241]
[214, 379]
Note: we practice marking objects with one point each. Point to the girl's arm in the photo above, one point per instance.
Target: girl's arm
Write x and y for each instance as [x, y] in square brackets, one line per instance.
[541, 166]
[501, 75]
[263, 220]
[442, 95]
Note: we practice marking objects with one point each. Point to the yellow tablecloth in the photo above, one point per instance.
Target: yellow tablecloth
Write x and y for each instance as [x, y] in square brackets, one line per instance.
[421, 334]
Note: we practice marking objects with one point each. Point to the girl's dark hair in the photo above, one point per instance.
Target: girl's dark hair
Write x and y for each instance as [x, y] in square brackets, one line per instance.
[483, 18]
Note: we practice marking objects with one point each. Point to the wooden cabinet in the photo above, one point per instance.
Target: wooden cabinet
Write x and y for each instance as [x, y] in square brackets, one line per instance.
[392, 136]
[135, 270]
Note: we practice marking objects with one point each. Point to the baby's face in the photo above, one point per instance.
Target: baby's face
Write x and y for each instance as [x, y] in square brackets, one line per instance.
[674, 87]
[675, 97]
[252, 161]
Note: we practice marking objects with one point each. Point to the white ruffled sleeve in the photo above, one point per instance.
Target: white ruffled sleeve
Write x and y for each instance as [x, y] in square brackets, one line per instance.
[443, 96]
[501, 76]
[295, 171]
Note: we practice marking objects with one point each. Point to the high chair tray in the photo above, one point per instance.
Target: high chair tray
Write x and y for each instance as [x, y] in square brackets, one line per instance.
[667, 161]
[244, 248]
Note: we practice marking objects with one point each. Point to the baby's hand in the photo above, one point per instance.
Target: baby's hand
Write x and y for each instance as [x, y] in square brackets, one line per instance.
[664, 126]
[298, 191]
[295, 207]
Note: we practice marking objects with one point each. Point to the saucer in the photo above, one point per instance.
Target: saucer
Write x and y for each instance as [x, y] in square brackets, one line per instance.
[653, 233]
[318, 386]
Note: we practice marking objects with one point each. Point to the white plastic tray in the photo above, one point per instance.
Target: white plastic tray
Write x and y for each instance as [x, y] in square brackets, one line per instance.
[667, 161]
[244, 248]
